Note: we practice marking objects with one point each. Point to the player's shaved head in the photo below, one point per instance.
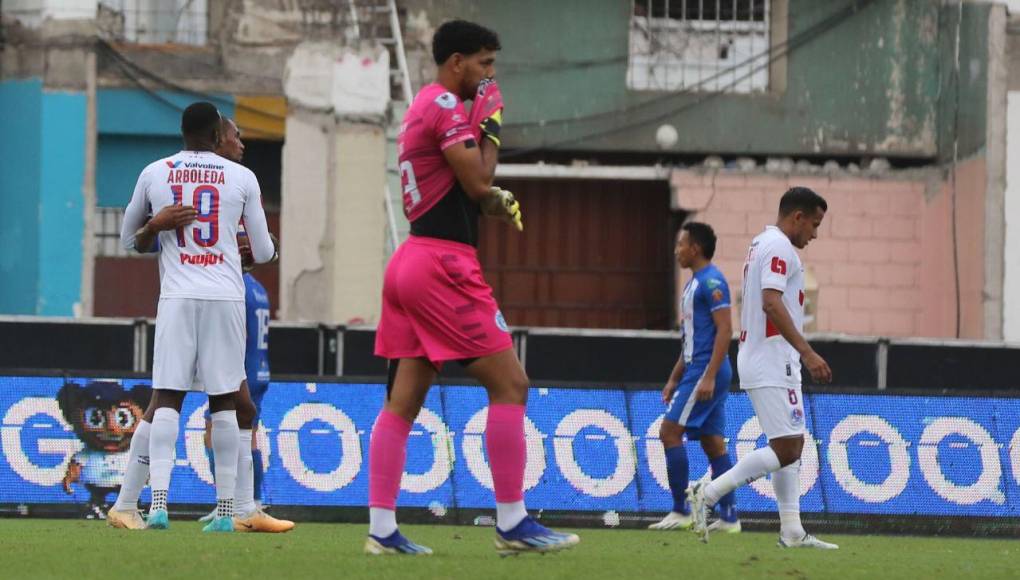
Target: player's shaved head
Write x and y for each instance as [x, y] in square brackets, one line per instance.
[200, 126]
[462, 37]
[803, 199]
[230, 144]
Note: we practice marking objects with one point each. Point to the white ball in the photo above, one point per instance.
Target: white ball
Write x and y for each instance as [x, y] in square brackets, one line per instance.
[666, 136]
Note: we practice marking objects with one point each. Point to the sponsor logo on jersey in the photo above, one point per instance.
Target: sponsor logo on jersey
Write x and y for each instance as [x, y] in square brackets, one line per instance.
[501, 322]
[713, 282]
[203, 260]
[446, 100]
[173, 164]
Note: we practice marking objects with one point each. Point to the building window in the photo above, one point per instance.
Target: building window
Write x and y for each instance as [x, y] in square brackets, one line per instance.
[107, 233]
[155, 21]
[699, 45]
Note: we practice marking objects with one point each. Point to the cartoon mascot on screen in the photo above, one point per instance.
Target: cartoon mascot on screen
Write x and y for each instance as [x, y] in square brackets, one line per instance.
[104, 417]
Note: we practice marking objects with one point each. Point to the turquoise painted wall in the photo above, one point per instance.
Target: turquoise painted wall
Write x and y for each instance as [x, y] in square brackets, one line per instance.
[61, 210]
[42, 152]
[121, 158]
[135, 129]
[20, 111]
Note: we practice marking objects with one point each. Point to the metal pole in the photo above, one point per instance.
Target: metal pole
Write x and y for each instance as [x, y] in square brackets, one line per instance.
[88, 189]
[882, 363]
[401, 57]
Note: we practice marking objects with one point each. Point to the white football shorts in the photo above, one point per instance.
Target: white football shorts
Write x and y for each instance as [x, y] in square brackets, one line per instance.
[780, 410]
[199, 346]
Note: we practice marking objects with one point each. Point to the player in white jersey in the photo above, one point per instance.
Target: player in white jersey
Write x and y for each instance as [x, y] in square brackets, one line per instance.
[248, 516]
[772, 347]
[200, 321]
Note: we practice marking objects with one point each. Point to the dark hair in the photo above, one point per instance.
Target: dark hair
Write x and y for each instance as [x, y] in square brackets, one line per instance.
[200, 119]
[464, 37]
[703, 235]
[803, 199]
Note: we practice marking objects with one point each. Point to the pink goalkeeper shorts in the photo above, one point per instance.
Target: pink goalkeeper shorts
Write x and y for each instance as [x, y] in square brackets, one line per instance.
[437, 305]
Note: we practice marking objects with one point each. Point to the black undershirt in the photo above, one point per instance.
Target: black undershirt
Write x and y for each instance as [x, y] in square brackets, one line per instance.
[454, 218]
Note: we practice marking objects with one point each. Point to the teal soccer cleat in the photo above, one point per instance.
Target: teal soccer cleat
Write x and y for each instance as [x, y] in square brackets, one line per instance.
[220, 524]
[158, 520]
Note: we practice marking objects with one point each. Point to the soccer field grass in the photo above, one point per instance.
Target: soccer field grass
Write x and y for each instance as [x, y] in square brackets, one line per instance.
[81, 549]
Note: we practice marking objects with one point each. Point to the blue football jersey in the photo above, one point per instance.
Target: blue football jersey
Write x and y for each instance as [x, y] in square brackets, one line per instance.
[256, 352]
[706, 292]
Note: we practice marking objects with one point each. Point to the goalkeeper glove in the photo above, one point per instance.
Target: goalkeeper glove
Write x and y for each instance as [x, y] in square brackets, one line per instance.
[503, 205]
[487, 111]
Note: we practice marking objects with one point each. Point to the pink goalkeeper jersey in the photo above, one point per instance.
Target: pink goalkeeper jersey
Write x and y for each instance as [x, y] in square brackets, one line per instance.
[435, 121]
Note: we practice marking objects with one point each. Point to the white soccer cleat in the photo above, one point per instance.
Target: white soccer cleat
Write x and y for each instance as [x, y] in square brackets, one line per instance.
[673, 521]
[724, 527]
[808, 541]
[696, 497]
[208, 517]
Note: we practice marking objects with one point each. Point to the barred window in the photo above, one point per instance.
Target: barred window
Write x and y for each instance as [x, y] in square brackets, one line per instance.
[155, 21]
[107, 232]
[699, 45]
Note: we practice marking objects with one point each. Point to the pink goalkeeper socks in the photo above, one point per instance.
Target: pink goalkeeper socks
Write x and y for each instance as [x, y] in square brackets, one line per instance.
[504, 442]
[387, 452]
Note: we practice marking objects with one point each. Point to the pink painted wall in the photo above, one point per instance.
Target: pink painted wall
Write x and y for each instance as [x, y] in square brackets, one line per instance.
[883, 257]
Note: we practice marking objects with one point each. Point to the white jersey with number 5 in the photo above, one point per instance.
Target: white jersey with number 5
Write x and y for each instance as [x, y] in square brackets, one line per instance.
[765, 358]
[201, 261]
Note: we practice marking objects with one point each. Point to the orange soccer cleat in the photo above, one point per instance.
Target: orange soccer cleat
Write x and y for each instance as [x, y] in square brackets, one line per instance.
[260, 521]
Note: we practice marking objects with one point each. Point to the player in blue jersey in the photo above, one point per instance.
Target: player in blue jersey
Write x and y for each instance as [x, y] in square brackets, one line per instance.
[697, 388]
[249, 516]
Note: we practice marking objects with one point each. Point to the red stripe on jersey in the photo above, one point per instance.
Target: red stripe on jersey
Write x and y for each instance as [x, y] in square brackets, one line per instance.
[770, 329]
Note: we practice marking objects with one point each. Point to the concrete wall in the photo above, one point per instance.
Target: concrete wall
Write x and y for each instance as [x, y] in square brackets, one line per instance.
[884, 256]
[1011, 282]
[868, 87]
[41, 180]
[333, 220]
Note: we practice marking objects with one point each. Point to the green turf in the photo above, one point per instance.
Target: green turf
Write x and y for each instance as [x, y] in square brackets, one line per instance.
[80, 549]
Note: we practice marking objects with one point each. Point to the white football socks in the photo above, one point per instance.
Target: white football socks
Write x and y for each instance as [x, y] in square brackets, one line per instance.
[508, 515]
[162, 441]
[137, 471]
[225, 439]
[244, 494]
[786, 483]
[752, 466]
[381, 522]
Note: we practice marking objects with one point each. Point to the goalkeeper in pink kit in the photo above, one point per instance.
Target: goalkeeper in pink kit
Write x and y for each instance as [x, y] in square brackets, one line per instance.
[437, 307]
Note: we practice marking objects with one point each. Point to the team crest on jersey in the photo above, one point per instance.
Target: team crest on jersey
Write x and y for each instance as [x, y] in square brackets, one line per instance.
[797, 416]
[446, 100]
[717, 295]
[501, 322]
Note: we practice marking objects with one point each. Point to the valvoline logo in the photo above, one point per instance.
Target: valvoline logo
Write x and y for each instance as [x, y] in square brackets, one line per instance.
[173, 164]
